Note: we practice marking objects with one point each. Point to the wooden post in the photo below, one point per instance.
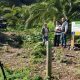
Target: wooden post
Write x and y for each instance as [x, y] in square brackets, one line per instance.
[48, 60]
[72, 41]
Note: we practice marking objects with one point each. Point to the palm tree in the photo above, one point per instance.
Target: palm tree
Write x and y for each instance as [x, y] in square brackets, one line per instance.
[40, 12]
[47, 9]
[74, 12]
[67, 7]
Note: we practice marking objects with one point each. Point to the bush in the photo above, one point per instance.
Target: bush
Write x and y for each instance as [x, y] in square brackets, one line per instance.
[15, 41]
[37, 77]
[39, 50]
[17, 74]
[78, 41]
[32, 35]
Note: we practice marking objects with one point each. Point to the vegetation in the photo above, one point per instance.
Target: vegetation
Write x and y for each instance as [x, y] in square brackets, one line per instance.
[24, 19]
[33, 15]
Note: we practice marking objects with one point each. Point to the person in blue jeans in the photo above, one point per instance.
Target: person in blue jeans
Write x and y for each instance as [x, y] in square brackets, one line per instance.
[64, 32]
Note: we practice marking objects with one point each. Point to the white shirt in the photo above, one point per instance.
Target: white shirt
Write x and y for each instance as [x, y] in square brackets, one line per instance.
[58, 30]
[65, 26]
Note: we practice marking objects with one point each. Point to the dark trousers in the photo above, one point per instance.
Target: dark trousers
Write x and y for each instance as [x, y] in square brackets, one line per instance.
[45, 38]
[56, 40]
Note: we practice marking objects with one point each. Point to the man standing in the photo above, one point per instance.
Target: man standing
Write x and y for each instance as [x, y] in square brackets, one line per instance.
[45, 32]
[64, 32]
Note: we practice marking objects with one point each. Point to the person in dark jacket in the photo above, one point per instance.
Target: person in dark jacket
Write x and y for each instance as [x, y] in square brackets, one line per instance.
[45, 32]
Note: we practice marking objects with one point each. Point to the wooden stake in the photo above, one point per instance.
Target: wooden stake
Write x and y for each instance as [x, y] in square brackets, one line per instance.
[48, 60]
[72, 41]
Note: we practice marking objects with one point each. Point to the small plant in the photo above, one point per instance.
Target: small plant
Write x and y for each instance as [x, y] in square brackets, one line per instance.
[17, 74]
[37, 77]
[39, 50]
[78, 41]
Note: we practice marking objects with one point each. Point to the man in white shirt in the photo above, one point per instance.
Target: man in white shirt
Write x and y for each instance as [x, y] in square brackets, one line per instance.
[64, 32]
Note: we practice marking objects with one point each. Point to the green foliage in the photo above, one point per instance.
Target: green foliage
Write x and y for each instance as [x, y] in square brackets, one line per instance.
[34, 15]
[39, 50]
[37, 77]
[24, 17]
[31, 35]
[51, 25]
[15, 41]
[16, 74]
[78, 41]
[17, 17]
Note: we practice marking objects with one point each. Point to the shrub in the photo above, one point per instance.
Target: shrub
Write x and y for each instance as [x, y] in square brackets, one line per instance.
[37, 77]
[39, 50]
[17, 74]
[15, 41]
[32, 35]
[78, 41]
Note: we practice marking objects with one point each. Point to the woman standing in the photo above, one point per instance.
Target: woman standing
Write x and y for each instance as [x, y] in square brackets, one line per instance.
[57, 33]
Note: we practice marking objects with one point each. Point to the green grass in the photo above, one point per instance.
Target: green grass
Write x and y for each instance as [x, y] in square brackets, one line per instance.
[16, 74]
[1, 75]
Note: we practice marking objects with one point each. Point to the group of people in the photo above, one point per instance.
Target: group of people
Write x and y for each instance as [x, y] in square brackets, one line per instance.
[61, 30]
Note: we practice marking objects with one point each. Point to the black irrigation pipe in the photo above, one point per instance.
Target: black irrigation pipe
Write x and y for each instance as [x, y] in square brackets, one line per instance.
[3, 72]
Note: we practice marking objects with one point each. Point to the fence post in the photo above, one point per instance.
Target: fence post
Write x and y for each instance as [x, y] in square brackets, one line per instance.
[48, 60]
[72, 41]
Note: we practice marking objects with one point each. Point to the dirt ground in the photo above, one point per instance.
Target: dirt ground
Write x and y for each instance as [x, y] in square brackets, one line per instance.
[66, 64]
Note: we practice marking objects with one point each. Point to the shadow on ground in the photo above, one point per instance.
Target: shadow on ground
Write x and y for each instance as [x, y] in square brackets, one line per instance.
[77, 47]
[13, 40]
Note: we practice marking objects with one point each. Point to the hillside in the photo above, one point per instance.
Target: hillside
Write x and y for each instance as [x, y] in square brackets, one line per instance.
[22, 54]
[20, 60]
[65, 63]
